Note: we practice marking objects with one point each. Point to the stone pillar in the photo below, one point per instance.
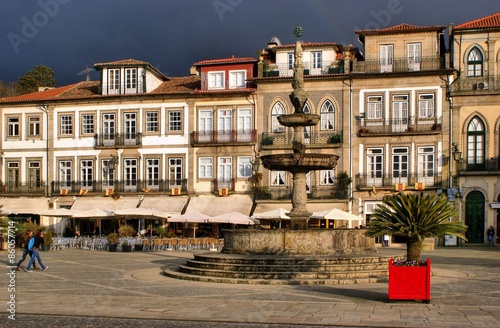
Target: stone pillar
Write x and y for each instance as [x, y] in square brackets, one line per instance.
[299, 216]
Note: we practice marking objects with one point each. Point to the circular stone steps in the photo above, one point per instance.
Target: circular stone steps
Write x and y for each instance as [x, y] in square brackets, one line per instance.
[280, 270]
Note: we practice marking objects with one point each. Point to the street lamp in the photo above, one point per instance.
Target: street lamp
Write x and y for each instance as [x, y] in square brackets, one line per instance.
[112, 163]
[457, 154]
[256, 165]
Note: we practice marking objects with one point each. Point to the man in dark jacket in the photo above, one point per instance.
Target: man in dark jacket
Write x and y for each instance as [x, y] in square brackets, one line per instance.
[26, 251]
[34, 245]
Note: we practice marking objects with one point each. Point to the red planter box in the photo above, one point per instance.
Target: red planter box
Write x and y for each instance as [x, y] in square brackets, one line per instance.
[410, 282]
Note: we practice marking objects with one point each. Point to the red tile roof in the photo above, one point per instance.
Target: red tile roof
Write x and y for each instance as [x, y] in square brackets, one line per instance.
[488, 21]
[231, 60]
[41, 95]
[402, 28]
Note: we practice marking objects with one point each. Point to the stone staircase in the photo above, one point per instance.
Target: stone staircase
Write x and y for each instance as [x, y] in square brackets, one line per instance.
[281, 270]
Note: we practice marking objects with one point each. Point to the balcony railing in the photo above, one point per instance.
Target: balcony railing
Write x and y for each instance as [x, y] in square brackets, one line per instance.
[477, 83]
[105, 140]
[489, 165]
[399, 126]
[390, 180]
[132, 186]
[284, 70]
[207, 138]
[23, 188]
[310, 138]
[228, 184]
[399, 65]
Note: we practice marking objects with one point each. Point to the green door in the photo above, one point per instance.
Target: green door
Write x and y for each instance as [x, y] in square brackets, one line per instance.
[474, 217]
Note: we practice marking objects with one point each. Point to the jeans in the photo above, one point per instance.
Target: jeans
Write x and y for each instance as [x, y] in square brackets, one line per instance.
[490, 239]
[25, 253]
[36, 255]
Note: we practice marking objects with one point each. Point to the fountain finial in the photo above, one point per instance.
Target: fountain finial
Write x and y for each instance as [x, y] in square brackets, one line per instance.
[298, 97]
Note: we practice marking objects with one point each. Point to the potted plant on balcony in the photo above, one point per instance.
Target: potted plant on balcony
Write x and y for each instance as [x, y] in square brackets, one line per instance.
[436, 127]
[126, 231]
[113, 240]
[414, 217]
[268, 140]
[335, 138]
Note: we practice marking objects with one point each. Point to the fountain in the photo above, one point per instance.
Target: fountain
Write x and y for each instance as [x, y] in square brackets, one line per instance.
[298, 255]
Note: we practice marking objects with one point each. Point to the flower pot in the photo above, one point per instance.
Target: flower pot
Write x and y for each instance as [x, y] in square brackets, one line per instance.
[126, 248]
[410, 282]
[112, 247]
[138, 248]
[46, 247]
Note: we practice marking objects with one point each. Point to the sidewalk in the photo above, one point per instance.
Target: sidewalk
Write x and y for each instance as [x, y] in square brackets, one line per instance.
[465, 292]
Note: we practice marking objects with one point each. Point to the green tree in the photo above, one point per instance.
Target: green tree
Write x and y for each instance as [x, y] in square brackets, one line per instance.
[415, 217]
[39, 76]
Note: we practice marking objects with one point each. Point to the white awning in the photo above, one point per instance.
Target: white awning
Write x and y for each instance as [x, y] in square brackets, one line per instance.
[166, 204]
[311, 207]
[23, 205]
[495, 205]
[213, 206]
[105, 203]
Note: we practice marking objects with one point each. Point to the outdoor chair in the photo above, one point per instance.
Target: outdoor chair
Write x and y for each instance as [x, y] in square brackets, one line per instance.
[157, 244]
[183, 244]
[166, 243]
[147, 245]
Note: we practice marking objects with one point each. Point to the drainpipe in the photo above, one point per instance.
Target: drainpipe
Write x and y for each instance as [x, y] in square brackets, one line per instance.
[45, 108]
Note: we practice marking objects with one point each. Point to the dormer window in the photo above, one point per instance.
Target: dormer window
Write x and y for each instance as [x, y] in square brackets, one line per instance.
[130, 80]
[114, 81]
[216, 80]
[237, 79]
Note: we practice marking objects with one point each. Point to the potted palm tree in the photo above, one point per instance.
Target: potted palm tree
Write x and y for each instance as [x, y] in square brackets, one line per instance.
[126, 231]
[113, 240]
[414, 217]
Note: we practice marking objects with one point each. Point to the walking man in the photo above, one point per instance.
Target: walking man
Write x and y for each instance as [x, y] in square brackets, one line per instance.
[34, 245]
[26, 251]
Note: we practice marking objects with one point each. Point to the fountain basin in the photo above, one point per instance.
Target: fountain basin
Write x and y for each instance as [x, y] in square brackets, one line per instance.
[298, 119]
[299, 162]
[298, 242]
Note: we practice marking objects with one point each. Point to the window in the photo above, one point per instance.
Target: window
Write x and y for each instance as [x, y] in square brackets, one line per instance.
[114, 81]
[174, 120]
[87, 173]
[175, 175]
[475, 142]
[34, 126]
[307, 129]
[317, 59]
[216, 80]
[237, 79]
[108, 129]
[327, 177]
[130, 173]
[400, 164]
[475, 63]
[13, 178]
[65, 173]
[87, 124]
[291, 60]
[130, 80]
[426, 105]
[374, 108]
[130, 128]
[277, 110]
[108, 175]
[205, 125]
[386, 57]
[399, 113]
[414, 56]
[425, 165]
[244, 167]
[244, 125]
[66, 125]
[205, 167]
[278, 178]
[374, 166]
[327, 116]
[34, 174]
[152, 172]
[152, 122]
[13, 126]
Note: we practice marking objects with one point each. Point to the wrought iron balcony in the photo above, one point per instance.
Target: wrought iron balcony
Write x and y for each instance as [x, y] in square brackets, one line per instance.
[285, 138]
[31, 188]
[476, 84]
[218, 184]
[492, 166]
[132, 186]
[125, 140]
[399, 126]
[399, 65]
[382, 180]
[231, 137]
[322, 68]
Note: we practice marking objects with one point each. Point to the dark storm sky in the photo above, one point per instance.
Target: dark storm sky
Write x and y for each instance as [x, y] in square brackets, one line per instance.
[68, 35]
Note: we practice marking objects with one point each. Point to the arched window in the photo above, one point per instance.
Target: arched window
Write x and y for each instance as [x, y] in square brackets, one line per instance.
[307, 129]
[475, 63]
[278, 109]
[475, 143]
[327, 116]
